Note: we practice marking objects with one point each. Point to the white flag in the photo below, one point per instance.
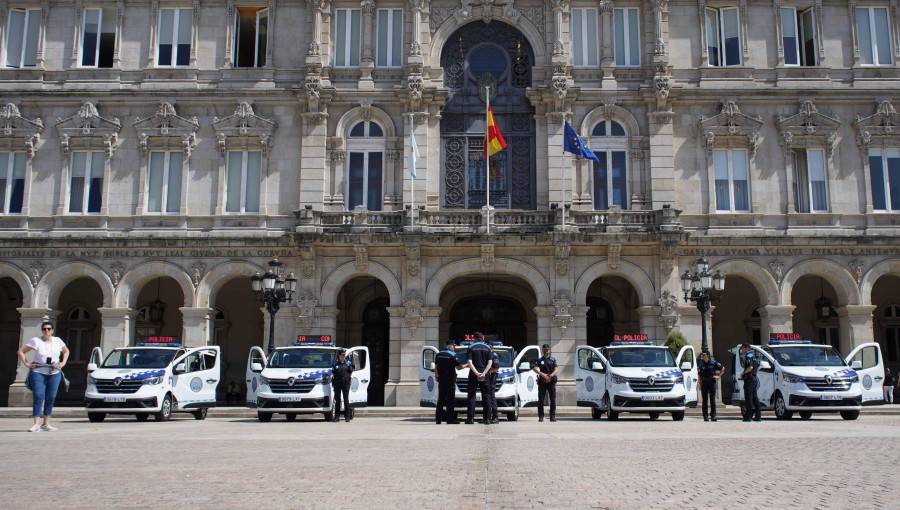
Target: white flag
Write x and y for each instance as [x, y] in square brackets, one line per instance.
[413, 152]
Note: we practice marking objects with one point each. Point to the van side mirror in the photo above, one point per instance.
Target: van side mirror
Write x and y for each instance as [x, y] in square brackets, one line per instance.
[179, 368]
[431, 366]
[685, 366]
[596, 365]
[524, 366]
[765, 365]
[256, 367]
[856, 364]
[91, 367]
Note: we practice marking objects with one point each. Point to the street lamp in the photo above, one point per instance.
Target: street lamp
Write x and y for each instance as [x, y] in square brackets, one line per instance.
[273, 288]
[702, 288]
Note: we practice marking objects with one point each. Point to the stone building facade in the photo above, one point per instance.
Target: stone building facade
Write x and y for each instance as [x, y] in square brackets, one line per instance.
[158, 153]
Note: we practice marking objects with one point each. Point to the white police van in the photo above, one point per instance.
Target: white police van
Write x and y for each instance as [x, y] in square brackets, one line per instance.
[297, 379]
[635, 377]
[156, 377]
[796, 375]
[516, 385]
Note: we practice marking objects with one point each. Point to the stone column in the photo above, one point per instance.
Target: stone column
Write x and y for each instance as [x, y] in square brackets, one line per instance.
[367, 58]
[856, 325]
[562, 344]
[690, 324]
[197, 327]
[607, 57]
[30, 327]
[650, 325]
[775, 319]
[117, 328]
[662, 157]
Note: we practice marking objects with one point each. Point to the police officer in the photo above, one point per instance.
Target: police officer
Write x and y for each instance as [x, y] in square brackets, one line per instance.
[341, 370]
[710, 372]
[546, 368]
[495, 369]
[479, 363]
[751, 383]
[445, 367]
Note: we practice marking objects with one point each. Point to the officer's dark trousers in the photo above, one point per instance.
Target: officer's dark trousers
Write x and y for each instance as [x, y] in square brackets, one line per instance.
[342, 390]
[493, 387]
[708, 391]
[544, 389]
[446, 401]
[484, 388]
[751, 400]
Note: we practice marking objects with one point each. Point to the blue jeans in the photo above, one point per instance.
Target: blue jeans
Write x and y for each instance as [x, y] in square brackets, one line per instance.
[44, 389]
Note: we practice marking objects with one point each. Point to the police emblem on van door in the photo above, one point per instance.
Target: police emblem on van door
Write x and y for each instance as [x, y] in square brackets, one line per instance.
[254, 384]
[589, 383]
[867, 382]
[117, 381]
[687, 382]
[354, 384]
[530, 383]
[430, 383]
[196, 384]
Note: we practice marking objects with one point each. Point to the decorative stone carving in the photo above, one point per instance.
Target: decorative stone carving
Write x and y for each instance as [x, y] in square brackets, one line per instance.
[487, 257]
[361, 260]
[413, 259]
[563, 316]
[614, 255]
[808, 128]
[667, 257]
[669, 316]
[413, 318]
[243, 123]
[307, 261]
[563, 248]
[163, 126]
[731, 123]
[882, 125]
[198, 269]
[560, 92]
[36, 272]
[118, 269]
[856, 267]
[14, 125]
[662, 91]
[415, 85]
[776, 267]
[88, 129]
[306, 317]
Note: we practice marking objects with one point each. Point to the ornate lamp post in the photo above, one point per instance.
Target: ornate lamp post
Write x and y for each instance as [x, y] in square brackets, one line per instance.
[273, 288]
[702, 288]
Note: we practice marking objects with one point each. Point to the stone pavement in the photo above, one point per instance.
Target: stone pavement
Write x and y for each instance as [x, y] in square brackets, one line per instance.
[399, 463]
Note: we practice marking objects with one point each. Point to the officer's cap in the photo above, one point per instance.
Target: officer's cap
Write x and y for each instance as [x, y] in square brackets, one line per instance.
[342, 351]
[545, 346]
[704, 351]
[745, 345]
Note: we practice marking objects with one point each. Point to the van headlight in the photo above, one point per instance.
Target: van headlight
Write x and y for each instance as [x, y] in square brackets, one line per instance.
[679, 379]
[508, 380]
[618, 379]
[325, 379]
[855, 378]
[92, 380]
[792, 378]
[153, 380]
[264, 380]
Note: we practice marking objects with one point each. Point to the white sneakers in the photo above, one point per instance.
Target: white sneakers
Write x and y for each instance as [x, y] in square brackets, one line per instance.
[35, 428]
[48, 428]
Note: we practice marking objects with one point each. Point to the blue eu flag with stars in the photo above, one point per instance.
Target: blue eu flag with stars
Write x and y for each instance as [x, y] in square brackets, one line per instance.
[576, 145]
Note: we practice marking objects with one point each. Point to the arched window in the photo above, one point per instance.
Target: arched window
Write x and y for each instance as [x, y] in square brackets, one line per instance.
[890, 320]
[609, 179]
[365, 166]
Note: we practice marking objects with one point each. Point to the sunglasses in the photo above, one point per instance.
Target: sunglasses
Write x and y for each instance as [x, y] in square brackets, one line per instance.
[47, 329]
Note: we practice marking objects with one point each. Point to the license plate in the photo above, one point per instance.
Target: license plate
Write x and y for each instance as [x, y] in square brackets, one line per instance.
[651, 397]
[829, 397]
[290, 398]
[114, 399]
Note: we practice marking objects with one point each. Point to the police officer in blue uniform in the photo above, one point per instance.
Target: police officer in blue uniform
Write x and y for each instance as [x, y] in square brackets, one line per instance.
[445, 367]
[495, 370]
[546, 368]
[341, 370]
[479, 363]
[710, 371]
[751, 384]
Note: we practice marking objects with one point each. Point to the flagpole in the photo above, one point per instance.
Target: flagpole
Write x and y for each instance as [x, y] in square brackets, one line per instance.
[564, 199]
[412, 181]
[487, 163]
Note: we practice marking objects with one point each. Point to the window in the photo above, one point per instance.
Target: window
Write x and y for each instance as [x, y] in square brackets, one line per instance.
[346, 39]
[199, 361]
[98, 38]
[868, 356]
[874, 32]
[22, 32]
[810, 193]
[390, 38]
[609, 176]
[884, 168]
[723, 36]
[365, 166]
[12, 181]
[732, 180]
[164, 182]
[242, 182]
[251, 35]
[798, 37]
[627, 42]
[175, 37]
[585, 48]
[86, 185]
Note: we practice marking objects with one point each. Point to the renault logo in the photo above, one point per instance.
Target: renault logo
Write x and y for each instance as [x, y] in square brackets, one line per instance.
[651, 380]
[290, 381]
[828, 380]
[117, 381]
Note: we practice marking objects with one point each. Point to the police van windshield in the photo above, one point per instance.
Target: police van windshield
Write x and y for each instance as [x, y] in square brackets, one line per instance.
[139, 358]
[302, 358]
[640, 357]
[506, 356]
[812, 356]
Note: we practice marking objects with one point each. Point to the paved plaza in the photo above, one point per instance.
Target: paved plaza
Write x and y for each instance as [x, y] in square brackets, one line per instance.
[399, 463]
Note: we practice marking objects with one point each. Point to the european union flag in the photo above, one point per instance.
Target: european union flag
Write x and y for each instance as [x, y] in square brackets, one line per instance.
[576, 145]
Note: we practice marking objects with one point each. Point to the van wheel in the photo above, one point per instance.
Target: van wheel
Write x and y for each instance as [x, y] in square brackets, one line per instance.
[96, 417]
[513, 415]
[781, 411]
[805, 415]
[329, 415]
[743, 411]
[165, 412]
[291, 416]
[654, 416]
[264, 417]
[142, 416]
[596, 413]
[610, 414]
[200, 414]
[849, 415]
[677, 415]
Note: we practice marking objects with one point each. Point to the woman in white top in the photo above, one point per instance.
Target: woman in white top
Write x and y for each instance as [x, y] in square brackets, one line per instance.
[48, 350]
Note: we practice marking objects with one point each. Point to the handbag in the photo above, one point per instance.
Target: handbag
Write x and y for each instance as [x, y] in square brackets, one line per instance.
[28, 381]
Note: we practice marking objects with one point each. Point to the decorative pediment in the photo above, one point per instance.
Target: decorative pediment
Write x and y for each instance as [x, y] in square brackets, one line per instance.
[808, 128]
[159, 130]
[244, 124]
[88, 130]
[17, 126]
[883, 125]
[731, 123]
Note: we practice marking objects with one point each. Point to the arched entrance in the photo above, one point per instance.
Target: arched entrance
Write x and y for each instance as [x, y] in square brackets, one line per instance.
[78, 324]
[886, 298]
[364, 320]
[237, 326]
[476, 56]
[492, 304]
[735, 320]
[158, 311]
[812, 295]
[612, 310]
[10, 299]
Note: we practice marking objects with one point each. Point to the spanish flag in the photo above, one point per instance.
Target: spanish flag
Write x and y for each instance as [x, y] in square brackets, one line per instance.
[493, 140]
